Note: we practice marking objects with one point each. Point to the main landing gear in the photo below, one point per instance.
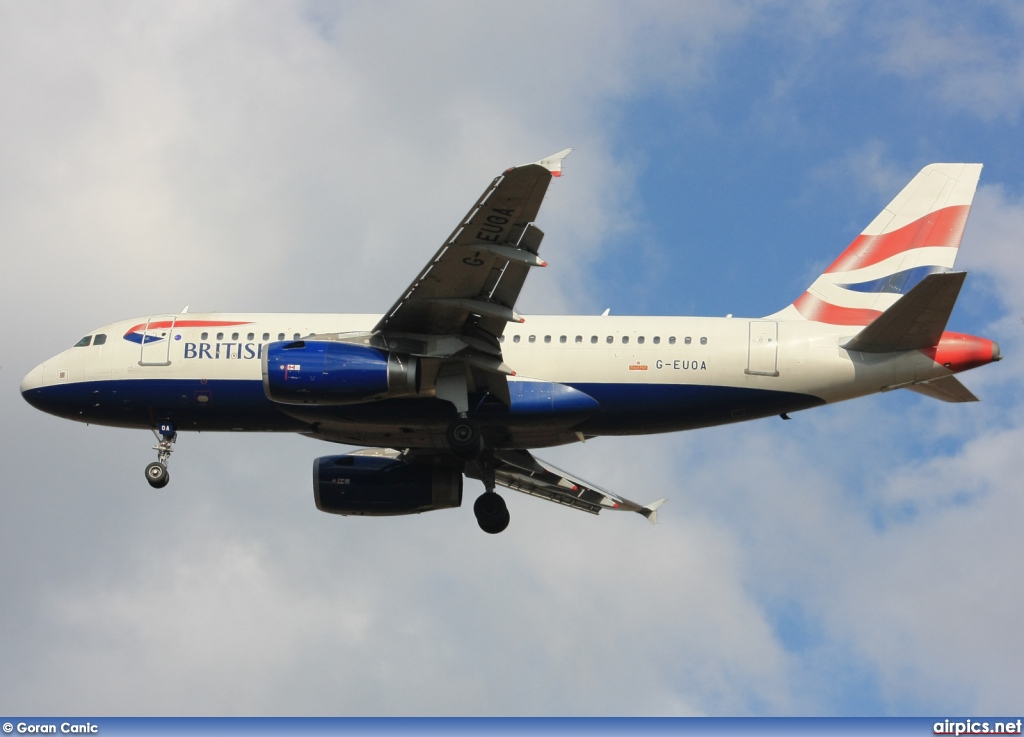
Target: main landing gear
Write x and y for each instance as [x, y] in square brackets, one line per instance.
[466, 442]
[465, 439]
[156, 472]
[491, 513]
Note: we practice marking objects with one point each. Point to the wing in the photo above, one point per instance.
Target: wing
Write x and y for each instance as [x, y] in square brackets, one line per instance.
[521, 471]
[458, 305]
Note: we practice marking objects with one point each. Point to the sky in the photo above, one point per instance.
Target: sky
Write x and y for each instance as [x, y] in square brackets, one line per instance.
[865, 558]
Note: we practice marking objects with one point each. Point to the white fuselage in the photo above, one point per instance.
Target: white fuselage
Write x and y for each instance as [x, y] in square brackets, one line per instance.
[647, 374]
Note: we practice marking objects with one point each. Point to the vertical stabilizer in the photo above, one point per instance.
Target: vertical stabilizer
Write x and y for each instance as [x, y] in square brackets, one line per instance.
[916, 235]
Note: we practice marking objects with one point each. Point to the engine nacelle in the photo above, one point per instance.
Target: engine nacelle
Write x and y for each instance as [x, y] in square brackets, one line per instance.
[382, 486]
[329, 372]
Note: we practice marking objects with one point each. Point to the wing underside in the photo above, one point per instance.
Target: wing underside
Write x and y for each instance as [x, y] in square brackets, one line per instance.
[520, 470]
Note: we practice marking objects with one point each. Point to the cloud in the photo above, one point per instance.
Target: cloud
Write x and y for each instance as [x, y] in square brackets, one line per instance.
[972, 64]
[205, 154]
[997, 219]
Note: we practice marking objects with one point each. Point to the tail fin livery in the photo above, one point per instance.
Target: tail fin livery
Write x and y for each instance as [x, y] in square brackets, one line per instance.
[916, 235]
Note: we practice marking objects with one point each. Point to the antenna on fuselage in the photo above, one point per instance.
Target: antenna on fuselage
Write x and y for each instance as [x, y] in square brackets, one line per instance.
[605, 313]
[185, 310]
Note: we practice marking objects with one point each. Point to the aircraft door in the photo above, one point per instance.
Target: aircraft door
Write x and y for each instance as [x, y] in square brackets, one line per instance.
[763, 355]
[157, 335]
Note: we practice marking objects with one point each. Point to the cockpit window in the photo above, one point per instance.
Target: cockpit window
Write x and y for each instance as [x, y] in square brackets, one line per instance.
[84, 342]
[100, 339]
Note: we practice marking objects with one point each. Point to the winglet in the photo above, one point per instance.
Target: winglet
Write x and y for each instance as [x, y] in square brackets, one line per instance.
[552, 163]
[651, 511]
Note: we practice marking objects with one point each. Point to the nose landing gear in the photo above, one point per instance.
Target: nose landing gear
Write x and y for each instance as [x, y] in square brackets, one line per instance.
[156, 472]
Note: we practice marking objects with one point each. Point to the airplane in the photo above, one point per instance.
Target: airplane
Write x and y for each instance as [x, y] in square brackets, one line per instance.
[452, 382]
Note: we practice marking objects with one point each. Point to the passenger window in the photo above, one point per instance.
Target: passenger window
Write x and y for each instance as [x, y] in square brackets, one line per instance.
[280, 336]
[250, 336]
[593, 338]
[609, 339]
[204, 336]
[266, 336]
[703, 341]
[533, 338]
[687, 340]
[579, 338]
[99, 339]
[640, 340]
[672, 340]
[84, 342]
[295, 337]
[515, 338]
[562, 339]
[657, 340]
[547, 338]
[220, 336]
[625, 339]
[234, 336]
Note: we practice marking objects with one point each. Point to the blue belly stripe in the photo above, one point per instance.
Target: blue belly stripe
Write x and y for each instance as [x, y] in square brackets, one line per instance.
[223, 404]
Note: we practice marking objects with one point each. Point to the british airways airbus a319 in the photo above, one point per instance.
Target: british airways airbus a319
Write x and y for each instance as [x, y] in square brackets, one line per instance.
[452, 382]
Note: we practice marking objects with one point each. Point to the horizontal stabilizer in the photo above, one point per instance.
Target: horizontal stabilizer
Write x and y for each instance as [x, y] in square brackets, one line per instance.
[917, 320]
[946, 389]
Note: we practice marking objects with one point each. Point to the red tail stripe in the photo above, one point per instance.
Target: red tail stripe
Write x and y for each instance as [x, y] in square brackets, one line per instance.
[943, 227]
[818, 310]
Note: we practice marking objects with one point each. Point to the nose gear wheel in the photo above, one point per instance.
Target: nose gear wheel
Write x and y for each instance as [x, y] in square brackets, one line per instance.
[157, 475]
[156, 472]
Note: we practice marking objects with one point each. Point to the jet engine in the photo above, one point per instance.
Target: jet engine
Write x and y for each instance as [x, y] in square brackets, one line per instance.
[383, 485]
[330, 372]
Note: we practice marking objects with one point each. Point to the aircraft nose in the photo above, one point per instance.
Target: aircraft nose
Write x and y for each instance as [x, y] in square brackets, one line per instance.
[33, 380]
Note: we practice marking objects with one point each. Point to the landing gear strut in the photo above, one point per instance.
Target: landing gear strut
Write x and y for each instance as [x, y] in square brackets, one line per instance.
[156, 473]
[467, 443]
